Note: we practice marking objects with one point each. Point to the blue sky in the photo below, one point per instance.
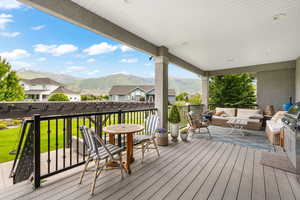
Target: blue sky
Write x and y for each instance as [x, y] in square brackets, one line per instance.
[35, 40]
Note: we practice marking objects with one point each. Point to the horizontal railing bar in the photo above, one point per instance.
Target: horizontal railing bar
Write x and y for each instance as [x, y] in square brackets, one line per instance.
[43, 118]
[61, 170]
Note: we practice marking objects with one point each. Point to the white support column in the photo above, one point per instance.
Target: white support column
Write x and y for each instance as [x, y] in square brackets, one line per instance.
[297, 82]
[161, 86]
[40, 97]
[205, 89]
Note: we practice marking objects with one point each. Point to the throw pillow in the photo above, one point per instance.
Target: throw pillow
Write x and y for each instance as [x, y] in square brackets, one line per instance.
[219, 113]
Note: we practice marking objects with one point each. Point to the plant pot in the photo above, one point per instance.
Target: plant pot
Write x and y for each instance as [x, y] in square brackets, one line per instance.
[174, 132]
[184, 136]
[162, 139]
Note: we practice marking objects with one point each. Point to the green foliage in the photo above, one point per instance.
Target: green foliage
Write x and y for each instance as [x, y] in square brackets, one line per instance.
[10, 88]
[182, 96]
[174, 116]
[195, 99]
[58, 97]
[16, 122]
[91, 97]
[184, 130]
[3, 126]
[232, 89]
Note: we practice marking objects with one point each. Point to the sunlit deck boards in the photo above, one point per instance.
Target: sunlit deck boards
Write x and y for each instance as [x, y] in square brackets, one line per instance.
[201, 169]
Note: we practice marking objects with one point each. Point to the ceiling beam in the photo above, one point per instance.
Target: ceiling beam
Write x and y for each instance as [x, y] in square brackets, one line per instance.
[75, 14]
[255, 68]
[188, 66]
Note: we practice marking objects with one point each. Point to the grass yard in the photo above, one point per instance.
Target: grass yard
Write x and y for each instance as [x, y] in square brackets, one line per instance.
[9, 137]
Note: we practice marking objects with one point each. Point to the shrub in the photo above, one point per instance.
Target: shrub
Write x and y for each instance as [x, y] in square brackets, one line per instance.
[58, 97]
[174, 116]
[3, 126]
[16, 122]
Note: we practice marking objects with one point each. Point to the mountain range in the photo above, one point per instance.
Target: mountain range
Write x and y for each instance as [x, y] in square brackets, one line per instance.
[103, 84]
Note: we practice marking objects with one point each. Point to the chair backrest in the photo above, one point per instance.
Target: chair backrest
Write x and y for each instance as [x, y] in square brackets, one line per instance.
[194, 122]
[151, 124]
[92, 141]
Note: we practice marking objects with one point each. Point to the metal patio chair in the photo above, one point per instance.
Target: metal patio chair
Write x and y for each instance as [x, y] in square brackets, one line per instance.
[144, 141]
[98, 153]
[196, 122]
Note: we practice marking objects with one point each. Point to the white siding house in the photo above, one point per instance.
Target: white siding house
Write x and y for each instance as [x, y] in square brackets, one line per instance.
[136, 93]
[40, 89]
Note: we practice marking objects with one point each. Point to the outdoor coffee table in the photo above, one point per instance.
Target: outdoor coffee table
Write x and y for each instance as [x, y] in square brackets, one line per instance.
[128, 130]
[238, 125]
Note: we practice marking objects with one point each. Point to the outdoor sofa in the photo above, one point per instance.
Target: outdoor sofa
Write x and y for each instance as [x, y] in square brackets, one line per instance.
[253, 116]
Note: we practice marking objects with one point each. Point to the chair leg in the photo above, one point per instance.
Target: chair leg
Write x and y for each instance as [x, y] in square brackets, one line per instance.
[84, 170]
[208, 132]
[121, 165]
[143, 152]
[156, 147]
[97, 173]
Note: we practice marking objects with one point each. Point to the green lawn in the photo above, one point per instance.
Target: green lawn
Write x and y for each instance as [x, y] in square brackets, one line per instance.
[9, 137]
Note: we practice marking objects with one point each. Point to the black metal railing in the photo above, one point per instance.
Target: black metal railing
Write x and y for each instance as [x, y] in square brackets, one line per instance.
[248, 106]
[57, 142]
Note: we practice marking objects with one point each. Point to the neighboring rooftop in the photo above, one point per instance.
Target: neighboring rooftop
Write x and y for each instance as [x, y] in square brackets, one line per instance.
[63, 90]
[126, 89]
[41, 81]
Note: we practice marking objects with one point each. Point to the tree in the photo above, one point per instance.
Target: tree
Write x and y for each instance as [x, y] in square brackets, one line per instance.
[182, 96]
[10, 87]
[232, 89]
[58, 97]
[195, 99]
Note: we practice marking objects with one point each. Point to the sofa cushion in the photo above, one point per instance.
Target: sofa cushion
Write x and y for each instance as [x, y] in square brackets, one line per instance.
[220, 113]
[230, 112]
[247, 113]
[274, 126]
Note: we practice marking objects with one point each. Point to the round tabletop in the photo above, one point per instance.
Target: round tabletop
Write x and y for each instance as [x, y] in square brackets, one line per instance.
[123, 128]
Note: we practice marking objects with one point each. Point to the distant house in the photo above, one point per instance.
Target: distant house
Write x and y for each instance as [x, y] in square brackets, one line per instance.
[40, 89]
[137, 93]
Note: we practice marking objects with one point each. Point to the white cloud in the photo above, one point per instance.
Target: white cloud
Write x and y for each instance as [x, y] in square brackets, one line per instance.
[148, 64]
[129, 60]
[4, 19]
[37, 28]
[20, 64]
[123, 72]
[125, 48]
[9, 34]
[72, 68]
[9, 4]
[69, 62]
[56, 50]
[101, 48]
[91, 60]
[42, 59]
[15, 54]
[92, 72]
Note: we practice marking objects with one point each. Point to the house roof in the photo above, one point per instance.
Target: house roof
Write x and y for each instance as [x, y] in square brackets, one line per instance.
[126, 89]
[41, 81]
[63, 90]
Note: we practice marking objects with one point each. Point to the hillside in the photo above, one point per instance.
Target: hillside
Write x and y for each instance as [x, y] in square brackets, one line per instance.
[102, 85]
[31, 74]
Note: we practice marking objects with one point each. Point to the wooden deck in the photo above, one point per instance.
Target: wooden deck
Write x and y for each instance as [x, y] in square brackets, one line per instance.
[201, 169]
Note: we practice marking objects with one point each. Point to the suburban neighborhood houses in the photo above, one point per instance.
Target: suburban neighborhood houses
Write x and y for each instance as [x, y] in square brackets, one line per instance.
[137, 93]
[40, 89]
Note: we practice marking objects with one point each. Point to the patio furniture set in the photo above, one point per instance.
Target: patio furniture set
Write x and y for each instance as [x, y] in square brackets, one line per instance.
[112, 154]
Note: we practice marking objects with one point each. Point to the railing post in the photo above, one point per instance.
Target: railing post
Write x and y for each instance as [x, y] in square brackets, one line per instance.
[37, 151]
[120, 122]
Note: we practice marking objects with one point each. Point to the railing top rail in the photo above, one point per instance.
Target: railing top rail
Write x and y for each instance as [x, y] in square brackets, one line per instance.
[43, 118]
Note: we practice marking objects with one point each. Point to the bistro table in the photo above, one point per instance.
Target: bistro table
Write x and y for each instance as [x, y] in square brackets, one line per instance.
[128, 130]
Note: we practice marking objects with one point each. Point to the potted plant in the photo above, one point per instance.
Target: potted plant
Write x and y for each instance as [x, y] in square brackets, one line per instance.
[162, 137]
[174, 119]
[184, 134]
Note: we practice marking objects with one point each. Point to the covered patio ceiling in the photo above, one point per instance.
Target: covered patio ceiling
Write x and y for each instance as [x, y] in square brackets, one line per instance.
[200, 35]
[211, 34]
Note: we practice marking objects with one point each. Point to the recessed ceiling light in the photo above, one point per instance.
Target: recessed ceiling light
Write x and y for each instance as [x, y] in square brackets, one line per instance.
[126, 1]
[279, 16]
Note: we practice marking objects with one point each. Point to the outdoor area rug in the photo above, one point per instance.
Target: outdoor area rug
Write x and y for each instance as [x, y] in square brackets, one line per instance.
[278, 161]
[254, 139]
